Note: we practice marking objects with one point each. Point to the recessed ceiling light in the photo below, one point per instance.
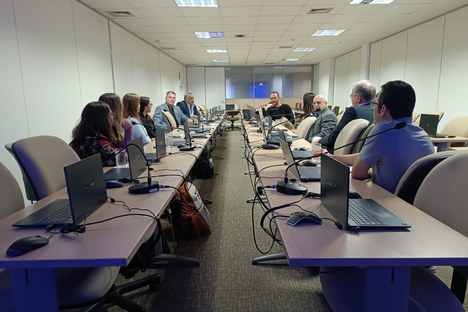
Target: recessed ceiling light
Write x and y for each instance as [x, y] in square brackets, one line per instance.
[220, 61]
[292, 60]
[197, 3]
[304, 49]
[328, 32]
[208, 35]
[371, 1]
[216, 50]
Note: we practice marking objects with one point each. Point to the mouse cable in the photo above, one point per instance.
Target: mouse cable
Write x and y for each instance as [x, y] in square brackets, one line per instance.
[254, 232]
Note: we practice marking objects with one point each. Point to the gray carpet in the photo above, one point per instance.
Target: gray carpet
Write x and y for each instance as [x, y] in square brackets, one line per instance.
[226, 280]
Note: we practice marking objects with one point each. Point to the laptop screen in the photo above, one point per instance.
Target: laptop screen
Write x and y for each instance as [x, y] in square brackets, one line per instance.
[136, 161]
[160, 144]
[334, 188]
[288, 156]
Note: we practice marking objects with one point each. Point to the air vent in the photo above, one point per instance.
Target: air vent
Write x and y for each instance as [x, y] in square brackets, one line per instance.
[168, 48]
[320, 11]
[269, 63]
[285, 47]
[120, 13]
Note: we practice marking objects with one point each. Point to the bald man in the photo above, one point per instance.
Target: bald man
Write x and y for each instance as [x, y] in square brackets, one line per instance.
[326, 119]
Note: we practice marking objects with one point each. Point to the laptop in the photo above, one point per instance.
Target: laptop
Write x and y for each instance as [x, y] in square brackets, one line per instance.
[86, 193]
[160, 147]
[304, 173]
[136, 163]
[352, 214]
[429, 123]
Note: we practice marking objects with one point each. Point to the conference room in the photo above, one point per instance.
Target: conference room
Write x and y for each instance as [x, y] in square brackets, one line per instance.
[60, 55]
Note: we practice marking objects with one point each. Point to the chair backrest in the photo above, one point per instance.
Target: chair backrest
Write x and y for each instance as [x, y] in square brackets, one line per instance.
[416, 173]
[27, 184]
[350, 133]
[442, 193]
[358, 146]
[457, 126]
[10, 193]
[416, 118]
[42, 159]
[170, 119]
[304, 126]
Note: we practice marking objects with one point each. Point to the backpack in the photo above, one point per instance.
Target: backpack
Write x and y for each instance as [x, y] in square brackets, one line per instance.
[191, 218]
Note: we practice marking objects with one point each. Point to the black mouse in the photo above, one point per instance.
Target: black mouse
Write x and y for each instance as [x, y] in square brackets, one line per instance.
[354, 195]
[303, 217]
[308, 163]
[25, 245]
[113, 184]
[301, 149]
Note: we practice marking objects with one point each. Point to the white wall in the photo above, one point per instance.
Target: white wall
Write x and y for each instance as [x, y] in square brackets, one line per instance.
[57, 56]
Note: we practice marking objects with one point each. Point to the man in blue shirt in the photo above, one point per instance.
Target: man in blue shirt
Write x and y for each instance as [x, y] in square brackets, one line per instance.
[390, 153]
[188, 107]
[161, 122]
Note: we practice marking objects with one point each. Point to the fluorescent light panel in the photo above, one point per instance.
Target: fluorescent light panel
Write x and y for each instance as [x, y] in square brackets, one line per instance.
[216, 50]
[292, 60]
[197, 3]
[209, 35]
[328, 32]
[304, 49]
[371, 1]
[220, 61]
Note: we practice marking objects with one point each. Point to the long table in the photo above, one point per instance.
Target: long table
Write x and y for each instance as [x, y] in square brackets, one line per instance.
[112, 243]
[388, 255]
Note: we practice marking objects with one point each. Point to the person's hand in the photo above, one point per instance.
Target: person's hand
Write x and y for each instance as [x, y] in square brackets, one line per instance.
[190, 121]
[194, 117]
[315, 140]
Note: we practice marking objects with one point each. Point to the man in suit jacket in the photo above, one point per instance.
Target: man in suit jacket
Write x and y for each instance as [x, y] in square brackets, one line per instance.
[362, 93]
[188, 107]
[326, 119]
[161, 122]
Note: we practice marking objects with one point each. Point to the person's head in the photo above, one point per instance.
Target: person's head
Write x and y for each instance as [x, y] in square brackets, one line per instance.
[170, 98]
[145, 105]
[113, 100]
[307, 100]
[363, 92]
[396, 99]
[189, 98]
[320, 103]
[131, 104]
[275, 98]
[96, 118]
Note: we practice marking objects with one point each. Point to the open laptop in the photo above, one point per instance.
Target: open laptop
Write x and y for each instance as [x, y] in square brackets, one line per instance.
[429, 123]
[303, 173]
[352, 214]
[86, 193]
[160, 147]
[136, 163]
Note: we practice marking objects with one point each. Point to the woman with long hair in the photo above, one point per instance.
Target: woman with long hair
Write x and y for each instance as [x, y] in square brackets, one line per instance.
[122, 127]
[145, 116]
[94, 133]
[131, 104]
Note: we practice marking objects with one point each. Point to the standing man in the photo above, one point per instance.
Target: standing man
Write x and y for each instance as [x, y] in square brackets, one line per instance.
[326, 119]
[188, 107]
[390, 153]
[278, 110]
[160, 121]
[362, 93]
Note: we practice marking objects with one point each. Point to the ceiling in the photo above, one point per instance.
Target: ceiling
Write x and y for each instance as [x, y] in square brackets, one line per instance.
[272, 29]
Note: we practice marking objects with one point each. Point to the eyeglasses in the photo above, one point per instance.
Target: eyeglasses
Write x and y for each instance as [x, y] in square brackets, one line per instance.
[351, 95]
[374, 104]
[150, 104]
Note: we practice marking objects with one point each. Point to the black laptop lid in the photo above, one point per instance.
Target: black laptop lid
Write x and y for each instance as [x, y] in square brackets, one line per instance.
[136, 160]
[429, 123]
[160, 143]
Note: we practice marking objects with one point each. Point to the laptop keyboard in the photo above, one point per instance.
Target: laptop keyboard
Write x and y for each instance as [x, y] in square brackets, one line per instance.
[309, 172]
[60, 216]
[117, 174]
[361, 216]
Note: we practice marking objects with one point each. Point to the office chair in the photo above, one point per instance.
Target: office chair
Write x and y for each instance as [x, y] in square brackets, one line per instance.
[170, 120]
[304, 126]
[358, 146]
[442, 195]
[27, 184]
[233, 116]
[45, 173]
[409, 183]
[350, 133]
[459, 127]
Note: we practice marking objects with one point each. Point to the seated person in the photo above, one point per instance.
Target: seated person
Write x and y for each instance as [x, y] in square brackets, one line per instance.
[94, 133]
[122, 126]
[278, 110]
[362, 94]
[326, 119]
[188, 107]
[145, 117]
[389, 154]
[160, 121]
[131, 103]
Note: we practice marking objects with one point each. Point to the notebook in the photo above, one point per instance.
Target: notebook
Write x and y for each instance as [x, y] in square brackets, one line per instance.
[304, 173]
[86, 193]
[429, 123]
[136, 163]
[352, 214]
[160, 146]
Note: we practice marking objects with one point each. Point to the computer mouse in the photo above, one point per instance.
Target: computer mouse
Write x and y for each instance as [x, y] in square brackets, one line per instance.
[113, 184]
[25, 245]
[354, 195]
[301, 149]
[308, 163]
[303, 217]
